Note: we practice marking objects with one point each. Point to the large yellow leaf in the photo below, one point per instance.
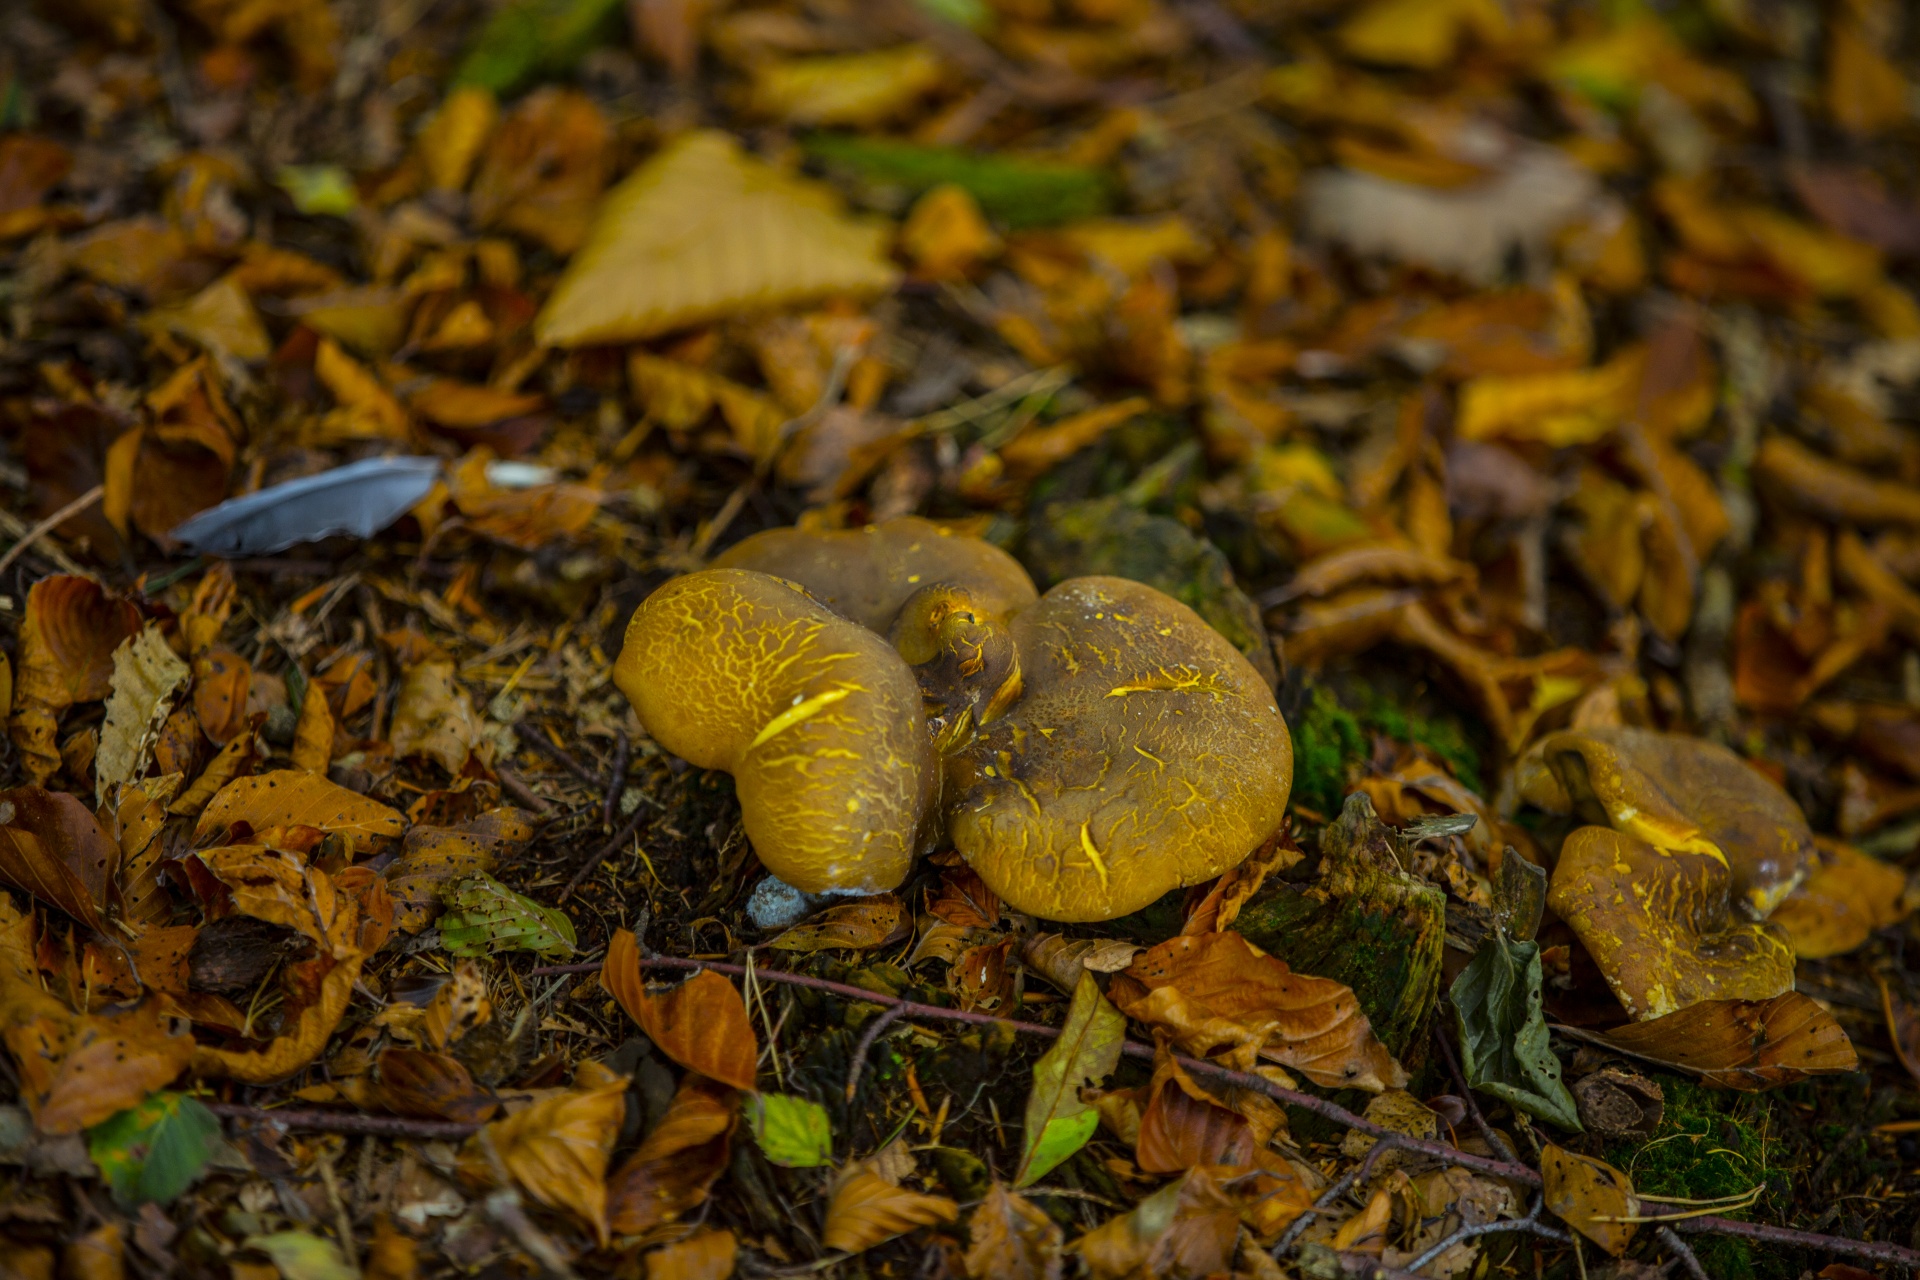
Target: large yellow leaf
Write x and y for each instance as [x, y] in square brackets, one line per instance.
[291, 797]
[557, 1149]
[704, 230]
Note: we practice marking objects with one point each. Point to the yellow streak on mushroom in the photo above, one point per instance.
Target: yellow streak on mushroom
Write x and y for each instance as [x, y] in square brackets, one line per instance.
[1175, 680]
[1086, 843]
[800, 713]
[1149, 755]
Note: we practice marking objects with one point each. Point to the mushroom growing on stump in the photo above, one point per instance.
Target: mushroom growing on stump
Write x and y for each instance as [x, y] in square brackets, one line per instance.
[1099, 746]
[817, 719]
[1145, 753]
[1690, 851]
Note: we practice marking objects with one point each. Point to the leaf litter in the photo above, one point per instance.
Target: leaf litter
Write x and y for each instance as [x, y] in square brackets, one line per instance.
[1506, 385]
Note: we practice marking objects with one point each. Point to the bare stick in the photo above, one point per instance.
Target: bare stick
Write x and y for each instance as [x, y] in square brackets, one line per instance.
[616, 777]
[605, 851]
[538, 741]
[41, 530]
[873, 1031]
[1495, 1143]
[1679, 1248]
[315, 1121]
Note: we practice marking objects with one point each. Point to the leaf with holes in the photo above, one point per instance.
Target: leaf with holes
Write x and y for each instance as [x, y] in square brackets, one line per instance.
[484, 916]
[1503, 1034]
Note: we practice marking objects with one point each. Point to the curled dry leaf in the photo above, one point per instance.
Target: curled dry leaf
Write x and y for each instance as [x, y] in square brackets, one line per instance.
[870, 922]
[434, 717]
[557, 1149]
[1061, 960]
[1312, 1024]
[54, 849]
[1186, 1228]
[1009, 1238]
[292, 797]
[414, 1082]
[704, 1255]
[867, 1208]
[313, 732]
[1739, 1044]
[678, 1161]
[1183, 1126]
[1848, 896]
[701, 1024]
[67, 639]
[1591, 1196]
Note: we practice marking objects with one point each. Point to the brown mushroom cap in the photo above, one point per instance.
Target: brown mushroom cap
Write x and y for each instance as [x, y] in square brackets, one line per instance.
[816, 717]
[867, 574]
[1658, 924]
[1681, 794]
[1144, 753]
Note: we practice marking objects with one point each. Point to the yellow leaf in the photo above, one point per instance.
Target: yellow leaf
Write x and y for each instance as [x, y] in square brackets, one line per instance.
[313, 732]
[367, 410]
[451, 141]
[1131, 246]
[705, 1255]
[867, 1208]
[289, 797]
[146, 676]
[1865, 92]
[703, 230]
[1591, 1196]
[946, 233]
[434, 717]
[557, 1149]
[1847, 897]
[1576, 407]
[219, 318]
[847, 88]
[1420, 33]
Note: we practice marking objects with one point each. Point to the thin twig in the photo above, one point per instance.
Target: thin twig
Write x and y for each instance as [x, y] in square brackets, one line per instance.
[600, 855]
[1530, 1224]
[874, 1029]
[313, 1121]
[41, 530]
[1874, 1250]
[538, 741]
[516, 786]
[1680, 1249]
[1331, 1196]
[616, 777]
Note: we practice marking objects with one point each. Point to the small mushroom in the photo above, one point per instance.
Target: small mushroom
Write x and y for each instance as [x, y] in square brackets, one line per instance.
[1144, 753]
[1682, 795]
[816, 717]
[868, 574]
[1660, 926]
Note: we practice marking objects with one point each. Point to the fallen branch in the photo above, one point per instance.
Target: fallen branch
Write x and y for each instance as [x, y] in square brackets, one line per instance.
[311, 1120]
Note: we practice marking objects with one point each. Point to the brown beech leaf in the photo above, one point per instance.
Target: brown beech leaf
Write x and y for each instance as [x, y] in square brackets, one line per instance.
[557, 1149]
[868, 1208]
[414, 1082]
[222, 681]
[1186, 1228]
[1183, 1126]
[704, 1255]
[433, 856]
[1230, 992]
[434, 717]
[701, 1024]
[237, 759]
[52, 847]
[67, 639]
[1061, 960]
[313, 732]
[1590, 1196]
[964, 899]
[292, 797]
[1739, 1044]
[1849, 895]
[1009, 1238]
[869, 922]
[78, 1069]
[678, 1161]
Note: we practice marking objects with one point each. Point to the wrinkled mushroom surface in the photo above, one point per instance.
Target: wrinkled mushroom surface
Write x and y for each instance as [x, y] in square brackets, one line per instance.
[817, 718]
[1680, 794]
[1144, 753]
[868, 574]
[1660, 925]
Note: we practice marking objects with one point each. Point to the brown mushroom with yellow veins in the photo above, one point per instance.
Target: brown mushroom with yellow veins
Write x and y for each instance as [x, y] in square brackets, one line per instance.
[1689, 851]
[1097, 747]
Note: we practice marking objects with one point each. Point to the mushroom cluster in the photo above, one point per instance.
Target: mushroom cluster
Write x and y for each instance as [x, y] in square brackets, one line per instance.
[1687, 851]
[874, 691]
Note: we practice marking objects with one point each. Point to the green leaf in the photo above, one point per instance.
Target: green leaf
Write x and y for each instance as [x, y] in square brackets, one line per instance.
[1503, 1032]
[528, 38]
[1058, 1123]
[154, 1151]
[974, 15]
[301, 1256]
[791, 1131]
[317, 189]
[1016, 191]
[484, 916]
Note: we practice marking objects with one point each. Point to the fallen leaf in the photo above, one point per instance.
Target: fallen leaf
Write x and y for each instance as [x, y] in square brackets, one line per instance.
[867, 1208]
[434, 717]
[556, 1149]
[54, 849]
[146, 678]
[67, 640]
[671, 245]
[1187, 1228]
[222, 691]
[484, 917]
[850, 89]
[1061, 960]
[1504, 1047]
[701, 1024]
[313, 732]
[871, 922]
[220, 319]
[677, 1162]
[414, 1082]
[792, 1132]
[292, 797]
[432, 857]
[1591, 1196]
[1741, 1044]
[1057, 1122]
[1009, 1238]
[1848, 897]
[1312, 1024]
[525, 517]
[704, 1255]
[450, 141]
[1182, 1126]
[301, 1255]
[151, 1153]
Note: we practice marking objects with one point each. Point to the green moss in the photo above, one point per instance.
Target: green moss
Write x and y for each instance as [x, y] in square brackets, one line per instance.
[1442, 735]
[1328, 742]
[1710, 1144]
